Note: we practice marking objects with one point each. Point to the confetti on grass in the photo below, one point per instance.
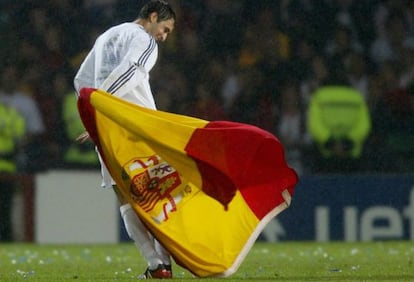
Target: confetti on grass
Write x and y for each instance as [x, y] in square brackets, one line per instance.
[282, 261]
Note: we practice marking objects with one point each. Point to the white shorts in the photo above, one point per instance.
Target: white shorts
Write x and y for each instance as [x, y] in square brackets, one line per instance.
[107, 181]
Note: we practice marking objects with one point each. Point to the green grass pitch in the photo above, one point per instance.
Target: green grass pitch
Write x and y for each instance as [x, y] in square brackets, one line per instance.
[283, 261]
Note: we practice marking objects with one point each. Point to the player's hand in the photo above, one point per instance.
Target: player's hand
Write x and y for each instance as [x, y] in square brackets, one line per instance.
[83, 137]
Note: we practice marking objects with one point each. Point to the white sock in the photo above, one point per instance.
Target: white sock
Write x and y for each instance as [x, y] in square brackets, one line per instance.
[162, 252]
[139, 233]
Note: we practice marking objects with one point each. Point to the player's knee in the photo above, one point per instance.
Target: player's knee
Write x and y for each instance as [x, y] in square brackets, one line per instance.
[131, 221]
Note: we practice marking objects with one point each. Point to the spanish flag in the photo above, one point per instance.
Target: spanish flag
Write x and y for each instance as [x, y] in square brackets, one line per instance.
[204, 189]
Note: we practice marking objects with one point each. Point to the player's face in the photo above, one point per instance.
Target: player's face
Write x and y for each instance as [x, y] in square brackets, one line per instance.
[160, 30]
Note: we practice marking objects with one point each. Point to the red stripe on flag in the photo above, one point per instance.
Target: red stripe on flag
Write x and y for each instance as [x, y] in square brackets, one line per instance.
[233, 156]
[87, 113]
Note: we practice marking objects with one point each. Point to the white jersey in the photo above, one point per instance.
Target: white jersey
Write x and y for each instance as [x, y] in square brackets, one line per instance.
[119, 63]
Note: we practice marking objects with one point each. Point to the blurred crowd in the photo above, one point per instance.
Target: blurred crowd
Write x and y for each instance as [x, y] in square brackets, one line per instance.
[251, 61]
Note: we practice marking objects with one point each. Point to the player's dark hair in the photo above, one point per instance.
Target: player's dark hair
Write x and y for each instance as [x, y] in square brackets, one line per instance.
[162, 8]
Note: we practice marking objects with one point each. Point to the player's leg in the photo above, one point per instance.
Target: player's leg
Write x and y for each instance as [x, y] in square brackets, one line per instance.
[143, 240]
[137, 231]
[163, 253]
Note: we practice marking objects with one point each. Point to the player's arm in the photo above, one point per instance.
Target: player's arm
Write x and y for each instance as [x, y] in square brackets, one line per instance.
[85, 75]
[132, 70]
